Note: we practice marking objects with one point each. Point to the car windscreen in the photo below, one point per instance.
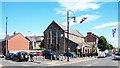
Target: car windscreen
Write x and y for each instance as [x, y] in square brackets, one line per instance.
[117, 54]
[24, 53]
[53, 52]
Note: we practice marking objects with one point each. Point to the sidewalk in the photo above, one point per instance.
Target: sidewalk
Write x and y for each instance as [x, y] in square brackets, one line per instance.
[59, 62]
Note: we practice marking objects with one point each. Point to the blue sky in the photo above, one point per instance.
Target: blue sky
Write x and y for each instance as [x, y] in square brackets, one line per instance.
[32, 18]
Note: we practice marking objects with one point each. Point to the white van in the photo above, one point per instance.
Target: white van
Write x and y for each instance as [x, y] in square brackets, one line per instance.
[101, 54]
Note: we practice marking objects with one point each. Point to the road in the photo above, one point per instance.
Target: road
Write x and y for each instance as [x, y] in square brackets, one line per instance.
[98, 62]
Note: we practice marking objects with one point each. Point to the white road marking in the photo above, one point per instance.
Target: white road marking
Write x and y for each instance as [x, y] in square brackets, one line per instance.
[89, 64]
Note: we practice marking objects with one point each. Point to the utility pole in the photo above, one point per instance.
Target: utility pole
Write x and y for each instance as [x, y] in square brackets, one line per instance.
[74, 20]
[6, 36]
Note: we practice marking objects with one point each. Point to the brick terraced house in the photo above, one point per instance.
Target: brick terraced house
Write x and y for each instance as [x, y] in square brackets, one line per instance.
[16, 42]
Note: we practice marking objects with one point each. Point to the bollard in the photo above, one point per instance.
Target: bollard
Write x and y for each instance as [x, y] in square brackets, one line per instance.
[43, 57]
[56, 57]
[51, 57]
[62, 58]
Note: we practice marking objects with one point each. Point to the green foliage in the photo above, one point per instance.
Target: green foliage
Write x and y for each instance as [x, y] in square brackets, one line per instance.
[102, 43]
[40, 48]
[78, 53]
[93, 48]
[119, 50]
[109, 46]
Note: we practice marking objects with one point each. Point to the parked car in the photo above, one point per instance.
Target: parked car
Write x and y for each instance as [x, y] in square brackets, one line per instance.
[1, 55]
[21, 56]
[39, 53]
[50, 54]
[34, 53]
[101, 54]
[116, 56]
[9, 56]
[70, 54]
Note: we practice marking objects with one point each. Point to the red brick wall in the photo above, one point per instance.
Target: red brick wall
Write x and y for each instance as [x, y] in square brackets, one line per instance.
[90, 37]
[18, 42]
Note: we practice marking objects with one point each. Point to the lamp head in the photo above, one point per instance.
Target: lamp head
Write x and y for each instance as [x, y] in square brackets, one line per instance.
[74, 20]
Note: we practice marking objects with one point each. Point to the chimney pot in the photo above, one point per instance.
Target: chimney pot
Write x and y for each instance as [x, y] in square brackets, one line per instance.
[14, 33]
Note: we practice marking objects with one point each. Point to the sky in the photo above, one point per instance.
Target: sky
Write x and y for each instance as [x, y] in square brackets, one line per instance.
[32, 17]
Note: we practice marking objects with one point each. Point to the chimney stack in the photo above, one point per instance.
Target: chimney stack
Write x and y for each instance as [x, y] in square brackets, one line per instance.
[14, 33]
[89, 33]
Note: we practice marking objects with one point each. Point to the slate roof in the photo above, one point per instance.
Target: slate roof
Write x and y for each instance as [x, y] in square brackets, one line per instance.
[74, 36]
[34, 38]
[71, 31]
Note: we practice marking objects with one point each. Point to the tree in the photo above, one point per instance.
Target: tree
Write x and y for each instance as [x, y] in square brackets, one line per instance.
[102, 43]
[93, 48]
[108, 46]
[111, 46]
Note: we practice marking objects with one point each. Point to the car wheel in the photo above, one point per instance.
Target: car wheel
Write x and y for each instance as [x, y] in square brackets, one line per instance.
[16, 59]
[13, 59]
[26, 60]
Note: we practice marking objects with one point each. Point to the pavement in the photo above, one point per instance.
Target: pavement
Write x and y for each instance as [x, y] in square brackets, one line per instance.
[64, 61]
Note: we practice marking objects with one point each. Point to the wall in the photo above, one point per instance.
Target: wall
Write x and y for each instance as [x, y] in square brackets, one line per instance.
[18, 42]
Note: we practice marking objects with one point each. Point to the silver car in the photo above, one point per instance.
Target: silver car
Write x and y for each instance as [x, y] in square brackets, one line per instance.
[116, 56]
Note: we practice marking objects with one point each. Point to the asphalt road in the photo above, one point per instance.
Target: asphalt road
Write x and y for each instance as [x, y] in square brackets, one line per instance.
[4, 62]
[97, 62]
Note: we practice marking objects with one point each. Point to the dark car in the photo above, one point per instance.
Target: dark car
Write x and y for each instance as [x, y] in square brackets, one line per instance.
[69, 54]
[9, 56]
[34, 53]
[21, 56]
[1, 55]
[50, 55]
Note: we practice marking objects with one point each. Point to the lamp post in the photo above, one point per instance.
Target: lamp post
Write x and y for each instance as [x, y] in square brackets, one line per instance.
[6, 37]
[68, 17]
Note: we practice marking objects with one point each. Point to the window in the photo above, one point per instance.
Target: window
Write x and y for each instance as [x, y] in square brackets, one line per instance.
[59, 36]
[48, 38]
[54, 36]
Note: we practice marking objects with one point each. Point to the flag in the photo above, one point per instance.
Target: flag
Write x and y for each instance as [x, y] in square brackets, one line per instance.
[114, 31]
[83, 19]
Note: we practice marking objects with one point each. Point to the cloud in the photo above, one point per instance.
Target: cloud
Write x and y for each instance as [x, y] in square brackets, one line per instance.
[113, 39]
[78, 19]
[106, 25]
[76, 5]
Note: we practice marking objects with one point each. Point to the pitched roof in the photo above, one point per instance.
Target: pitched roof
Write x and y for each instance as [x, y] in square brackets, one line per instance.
[74, 35]
[34, 38]
[71, 31]
[9, 37]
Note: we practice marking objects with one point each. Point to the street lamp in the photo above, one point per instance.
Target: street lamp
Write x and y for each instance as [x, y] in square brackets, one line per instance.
[68, 18]
[6, 37]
